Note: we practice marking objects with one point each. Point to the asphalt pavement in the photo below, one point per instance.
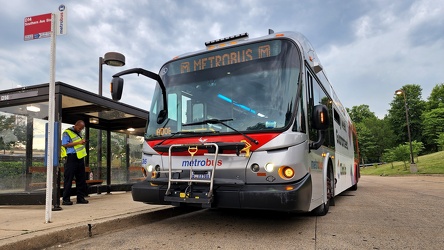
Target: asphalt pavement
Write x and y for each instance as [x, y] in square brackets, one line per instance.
[387, 212]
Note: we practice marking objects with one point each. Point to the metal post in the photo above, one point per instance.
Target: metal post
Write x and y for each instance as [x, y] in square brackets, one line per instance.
[412, 160]
[108, 162]
[413, 168]
[99, 133]
[50, 135]
[100, 74]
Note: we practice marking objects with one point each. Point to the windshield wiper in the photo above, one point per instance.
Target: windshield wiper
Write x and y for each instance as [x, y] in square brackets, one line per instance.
[186, 133]
[217, 121]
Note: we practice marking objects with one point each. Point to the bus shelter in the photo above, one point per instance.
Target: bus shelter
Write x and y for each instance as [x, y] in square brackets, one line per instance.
[114, 132]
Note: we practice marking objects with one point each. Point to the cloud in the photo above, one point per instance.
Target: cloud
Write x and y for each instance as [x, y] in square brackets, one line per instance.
[368, 48]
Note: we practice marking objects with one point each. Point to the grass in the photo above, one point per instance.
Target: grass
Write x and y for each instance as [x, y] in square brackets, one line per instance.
[426, 164]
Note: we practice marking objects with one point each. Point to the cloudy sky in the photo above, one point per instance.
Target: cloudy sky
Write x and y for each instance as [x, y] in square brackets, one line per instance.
[369, 48]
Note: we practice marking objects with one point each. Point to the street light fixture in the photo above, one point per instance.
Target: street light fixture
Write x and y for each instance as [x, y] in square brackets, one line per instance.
[412, 161]
[112, 59]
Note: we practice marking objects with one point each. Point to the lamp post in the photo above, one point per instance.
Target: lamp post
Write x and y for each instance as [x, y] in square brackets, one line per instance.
[112, 59]
[413, 168]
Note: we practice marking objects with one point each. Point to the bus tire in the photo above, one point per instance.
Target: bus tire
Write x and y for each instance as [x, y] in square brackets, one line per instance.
[332, 183]
[354, 187]
[321, 210]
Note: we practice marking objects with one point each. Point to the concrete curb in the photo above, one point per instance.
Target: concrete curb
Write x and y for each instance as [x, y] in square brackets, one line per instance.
[83, 230]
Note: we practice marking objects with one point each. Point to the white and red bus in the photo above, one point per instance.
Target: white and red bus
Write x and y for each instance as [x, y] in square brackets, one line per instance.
[246, 123]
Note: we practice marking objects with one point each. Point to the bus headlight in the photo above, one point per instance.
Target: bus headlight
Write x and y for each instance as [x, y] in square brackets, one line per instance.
[269, 167]
[149, 168]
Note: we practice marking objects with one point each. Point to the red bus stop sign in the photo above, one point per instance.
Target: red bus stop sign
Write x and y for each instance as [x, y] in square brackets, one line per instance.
[37, 27]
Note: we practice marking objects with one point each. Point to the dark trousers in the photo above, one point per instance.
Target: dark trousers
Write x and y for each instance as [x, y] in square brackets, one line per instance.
[74, 168]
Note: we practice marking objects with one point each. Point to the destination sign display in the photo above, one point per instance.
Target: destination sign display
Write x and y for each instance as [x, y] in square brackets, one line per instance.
[224, 57]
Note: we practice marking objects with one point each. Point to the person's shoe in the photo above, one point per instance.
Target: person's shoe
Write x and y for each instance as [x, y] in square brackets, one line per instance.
[67, 203]
[82, 201]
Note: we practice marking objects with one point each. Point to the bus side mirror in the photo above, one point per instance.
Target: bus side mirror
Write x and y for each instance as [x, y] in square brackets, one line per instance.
[320, 117]
[116, 88]
[320, 122]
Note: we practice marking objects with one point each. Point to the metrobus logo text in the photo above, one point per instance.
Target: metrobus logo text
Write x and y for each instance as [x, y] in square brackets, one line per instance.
[201, 163]
[228, 58]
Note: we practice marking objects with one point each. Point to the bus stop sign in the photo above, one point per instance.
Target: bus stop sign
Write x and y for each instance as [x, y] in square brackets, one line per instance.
[37, 27]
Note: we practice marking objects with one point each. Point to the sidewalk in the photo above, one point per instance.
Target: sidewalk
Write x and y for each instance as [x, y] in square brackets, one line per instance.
[24, 227]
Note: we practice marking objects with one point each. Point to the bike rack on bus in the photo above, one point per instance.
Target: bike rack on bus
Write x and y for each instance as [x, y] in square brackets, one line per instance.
[179, 196]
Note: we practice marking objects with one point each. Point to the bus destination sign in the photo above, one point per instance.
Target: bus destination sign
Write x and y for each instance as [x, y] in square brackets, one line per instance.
[226, 57]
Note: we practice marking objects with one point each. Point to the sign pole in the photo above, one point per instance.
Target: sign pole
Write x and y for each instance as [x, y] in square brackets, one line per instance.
[51, 115]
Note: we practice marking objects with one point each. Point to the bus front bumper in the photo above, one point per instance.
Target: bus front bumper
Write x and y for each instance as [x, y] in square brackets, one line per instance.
[295, 196]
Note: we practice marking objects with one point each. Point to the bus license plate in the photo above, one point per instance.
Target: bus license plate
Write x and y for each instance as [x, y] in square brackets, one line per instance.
[201, 175]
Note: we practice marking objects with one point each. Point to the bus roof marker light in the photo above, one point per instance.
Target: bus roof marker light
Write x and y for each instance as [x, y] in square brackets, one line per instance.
[237, 37]
[317, 67]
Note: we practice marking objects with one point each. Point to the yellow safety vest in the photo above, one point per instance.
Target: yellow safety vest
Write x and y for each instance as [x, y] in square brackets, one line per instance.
[80, 149]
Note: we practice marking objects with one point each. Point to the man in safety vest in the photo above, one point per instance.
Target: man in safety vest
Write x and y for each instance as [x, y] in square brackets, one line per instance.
[74, 146]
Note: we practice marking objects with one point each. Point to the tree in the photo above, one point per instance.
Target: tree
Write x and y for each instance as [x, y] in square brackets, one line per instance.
[436, 98]
[360, 113]
[397, 116]
[417, 147]
[367, 143]
[374, 134]
[433, 126]
[7, 137]
[382, 135]
[440, 141]
[402, 153]
[388, 156]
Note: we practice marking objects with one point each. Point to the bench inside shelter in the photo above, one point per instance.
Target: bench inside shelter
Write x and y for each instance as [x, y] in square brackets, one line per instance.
[42, 170]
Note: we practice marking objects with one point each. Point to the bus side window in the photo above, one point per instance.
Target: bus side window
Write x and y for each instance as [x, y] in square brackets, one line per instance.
[336, 116]
[299, 123]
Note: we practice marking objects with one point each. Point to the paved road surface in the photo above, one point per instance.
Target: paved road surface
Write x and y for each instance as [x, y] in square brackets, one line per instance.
[385, 213]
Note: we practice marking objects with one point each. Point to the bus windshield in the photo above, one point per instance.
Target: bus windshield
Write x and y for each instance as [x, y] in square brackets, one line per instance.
[251, 87]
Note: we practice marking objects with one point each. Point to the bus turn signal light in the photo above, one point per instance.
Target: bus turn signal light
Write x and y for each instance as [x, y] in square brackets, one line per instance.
[286, 172]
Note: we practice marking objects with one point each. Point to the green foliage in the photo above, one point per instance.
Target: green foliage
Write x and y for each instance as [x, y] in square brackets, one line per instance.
[367, 142]
[428, 164]
[402, 153]
[11, 169]
[388, 156]
[417, 148]
[374, 134]
[436, 98]
[440, 141]
[359, 113]
[397, 113]
[433, 125]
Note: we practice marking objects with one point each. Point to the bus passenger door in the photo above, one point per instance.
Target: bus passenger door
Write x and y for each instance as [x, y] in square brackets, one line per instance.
[318, 96]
